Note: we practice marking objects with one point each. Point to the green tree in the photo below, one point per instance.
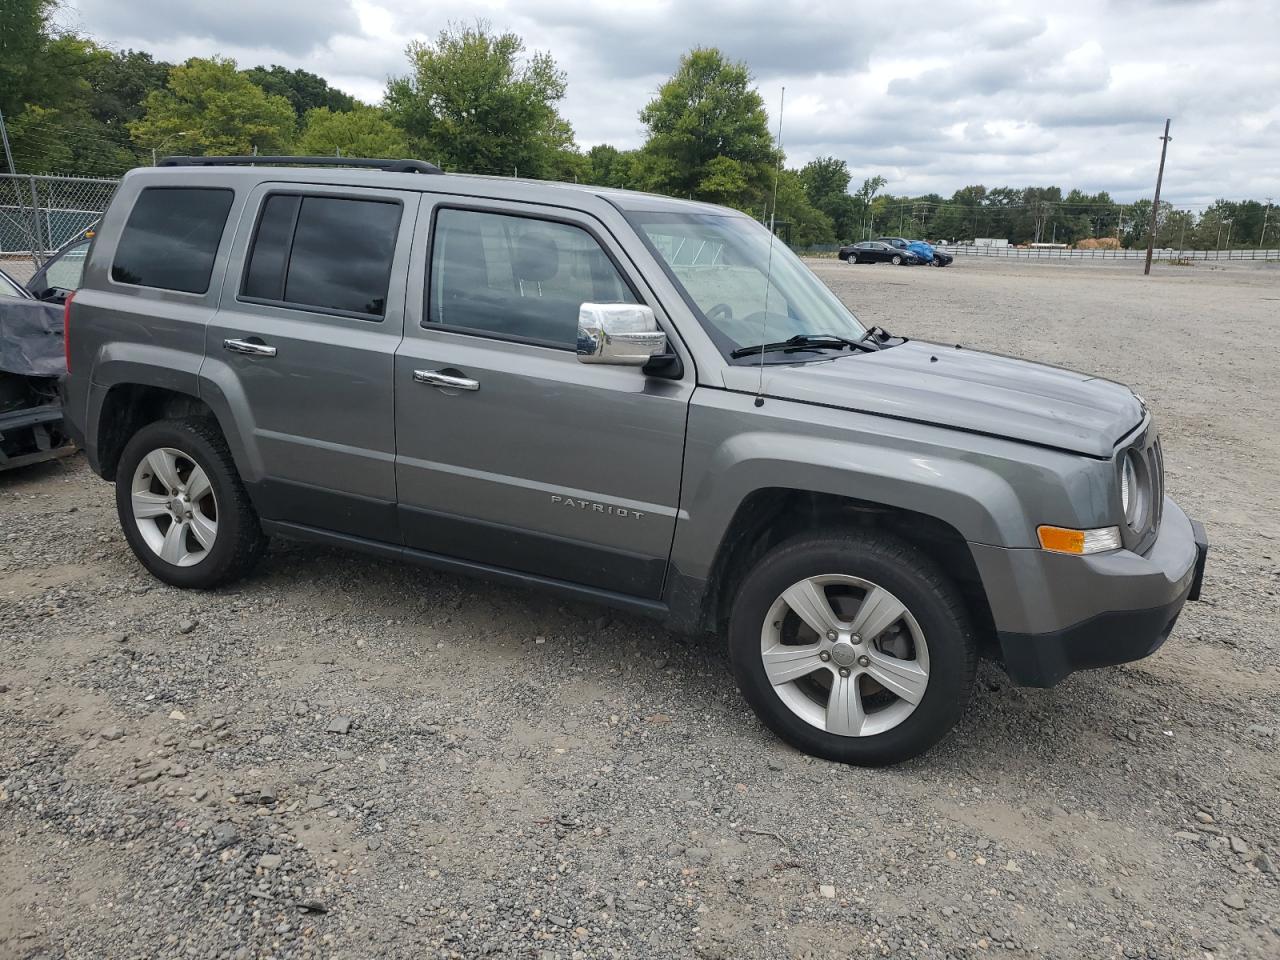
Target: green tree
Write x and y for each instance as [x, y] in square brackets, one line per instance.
[472, 101]
[863, 206]
[826, 184]
[607, 166]
[208, 107]
[23, 36]
[709, 134]
[362, 132]
[120, 84]
[304, 91]
[808, 225]
[56, 130]
[66, 142]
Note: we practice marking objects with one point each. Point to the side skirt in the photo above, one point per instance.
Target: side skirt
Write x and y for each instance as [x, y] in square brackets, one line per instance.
[389, 551]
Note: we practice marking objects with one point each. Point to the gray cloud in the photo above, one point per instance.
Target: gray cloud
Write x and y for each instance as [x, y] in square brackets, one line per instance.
[993, 91]
[294, 27]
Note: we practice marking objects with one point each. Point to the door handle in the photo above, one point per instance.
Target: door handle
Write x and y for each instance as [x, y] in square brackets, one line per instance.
[450, 381]
[249, 347]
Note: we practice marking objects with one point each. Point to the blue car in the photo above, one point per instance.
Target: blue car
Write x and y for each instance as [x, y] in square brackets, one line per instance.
[926, 252]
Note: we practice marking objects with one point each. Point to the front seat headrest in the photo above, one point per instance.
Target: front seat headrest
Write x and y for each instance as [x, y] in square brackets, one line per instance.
[537, 256]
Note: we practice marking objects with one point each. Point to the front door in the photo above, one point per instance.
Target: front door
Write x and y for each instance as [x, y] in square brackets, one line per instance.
[303, 345]
[510, 452]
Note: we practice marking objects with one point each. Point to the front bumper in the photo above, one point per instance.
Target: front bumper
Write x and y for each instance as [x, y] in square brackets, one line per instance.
[1055, 614]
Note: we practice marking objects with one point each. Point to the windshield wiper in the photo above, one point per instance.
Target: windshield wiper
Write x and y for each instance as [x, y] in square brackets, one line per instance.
[808, 341]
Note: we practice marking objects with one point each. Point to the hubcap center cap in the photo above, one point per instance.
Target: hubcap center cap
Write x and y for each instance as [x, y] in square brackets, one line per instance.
[844, 653]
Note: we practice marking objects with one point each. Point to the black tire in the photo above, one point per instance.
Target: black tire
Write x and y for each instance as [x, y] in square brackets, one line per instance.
[239, 541]
[897, 260]
[909, 575]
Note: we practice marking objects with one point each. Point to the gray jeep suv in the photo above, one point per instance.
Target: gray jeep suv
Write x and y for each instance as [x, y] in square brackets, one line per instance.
[628, 399]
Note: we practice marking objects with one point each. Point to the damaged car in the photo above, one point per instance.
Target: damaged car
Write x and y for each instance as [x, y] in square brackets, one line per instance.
[32, 358]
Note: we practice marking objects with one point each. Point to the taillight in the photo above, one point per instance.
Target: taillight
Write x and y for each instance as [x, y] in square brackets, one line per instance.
[66, 329]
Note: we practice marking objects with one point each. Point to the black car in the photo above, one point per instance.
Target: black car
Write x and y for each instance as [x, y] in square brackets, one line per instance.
[873, 251]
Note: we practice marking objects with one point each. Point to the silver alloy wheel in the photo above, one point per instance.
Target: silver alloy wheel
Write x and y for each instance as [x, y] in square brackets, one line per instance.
[845, 655]
[174, 507]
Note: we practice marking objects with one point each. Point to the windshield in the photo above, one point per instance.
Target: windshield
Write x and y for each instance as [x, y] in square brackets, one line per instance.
[722, 264]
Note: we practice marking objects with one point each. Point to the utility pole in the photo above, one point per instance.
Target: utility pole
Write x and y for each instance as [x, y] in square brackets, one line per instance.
[8, 154]
[1155, 205]
[1265, 217]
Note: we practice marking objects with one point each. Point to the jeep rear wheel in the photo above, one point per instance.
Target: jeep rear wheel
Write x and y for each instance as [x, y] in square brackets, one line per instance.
[182, 506]
[855, 648]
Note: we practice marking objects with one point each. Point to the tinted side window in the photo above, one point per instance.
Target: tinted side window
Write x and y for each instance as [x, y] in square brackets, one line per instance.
[329, 253]
[265, 277]
[171, 238]
[517, 277]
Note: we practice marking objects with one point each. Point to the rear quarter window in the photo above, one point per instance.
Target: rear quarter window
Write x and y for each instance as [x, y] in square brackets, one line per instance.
[171, 238]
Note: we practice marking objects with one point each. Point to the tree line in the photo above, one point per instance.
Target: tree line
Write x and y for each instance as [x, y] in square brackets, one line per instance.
[473, 100]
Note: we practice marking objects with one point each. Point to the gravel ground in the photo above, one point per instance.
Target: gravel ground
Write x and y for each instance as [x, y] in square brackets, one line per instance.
[348, 758]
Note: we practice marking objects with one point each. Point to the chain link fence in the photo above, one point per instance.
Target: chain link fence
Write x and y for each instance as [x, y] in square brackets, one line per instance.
[39, 214]
[1066, 253]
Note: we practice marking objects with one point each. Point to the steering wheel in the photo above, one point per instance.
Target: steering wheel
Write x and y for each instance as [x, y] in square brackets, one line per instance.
[720, 310]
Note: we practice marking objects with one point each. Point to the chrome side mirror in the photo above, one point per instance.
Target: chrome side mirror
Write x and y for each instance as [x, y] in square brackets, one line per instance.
[620, 333]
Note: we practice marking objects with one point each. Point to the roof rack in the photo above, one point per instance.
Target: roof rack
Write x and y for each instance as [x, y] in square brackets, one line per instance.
[391, 166]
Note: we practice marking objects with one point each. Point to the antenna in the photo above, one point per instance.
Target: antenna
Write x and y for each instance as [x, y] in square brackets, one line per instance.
[768, 273]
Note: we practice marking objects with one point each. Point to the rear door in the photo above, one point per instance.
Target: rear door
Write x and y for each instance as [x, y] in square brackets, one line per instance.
[303, 348]
[535, 462]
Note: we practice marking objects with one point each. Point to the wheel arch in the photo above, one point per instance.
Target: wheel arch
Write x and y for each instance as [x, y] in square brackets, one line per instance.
[124, 408]
[119, 411]
[769, 516]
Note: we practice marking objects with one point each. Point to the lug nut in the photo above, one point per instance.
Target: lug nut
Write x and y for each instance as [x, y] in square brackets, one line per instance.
[824, 656]
[856, 638]
[864, 661]
[844, 671]
[831, 634]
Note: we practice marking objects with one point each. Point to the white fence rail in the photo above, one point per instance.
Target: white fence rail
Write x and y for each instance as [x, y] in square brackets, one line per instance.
[1027, 253]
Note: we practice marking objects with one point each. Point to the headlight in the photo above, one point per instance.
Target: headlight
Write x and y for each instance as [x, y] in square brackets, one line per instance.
[1134, 489]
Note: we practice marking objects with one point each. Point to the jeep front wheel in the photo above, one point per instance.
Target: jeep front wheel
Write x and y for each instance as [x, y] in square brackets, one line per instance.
[855, 648]
[182, 506]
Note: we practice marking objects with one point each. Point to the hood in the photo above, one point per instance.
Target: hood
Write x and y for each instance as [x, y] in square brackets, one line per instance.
[969, 390]
[31, 338]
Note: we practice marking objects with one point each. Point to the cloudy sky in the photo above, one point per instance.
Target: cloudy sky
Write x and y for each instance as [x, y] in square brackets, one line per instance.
[931, 94]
